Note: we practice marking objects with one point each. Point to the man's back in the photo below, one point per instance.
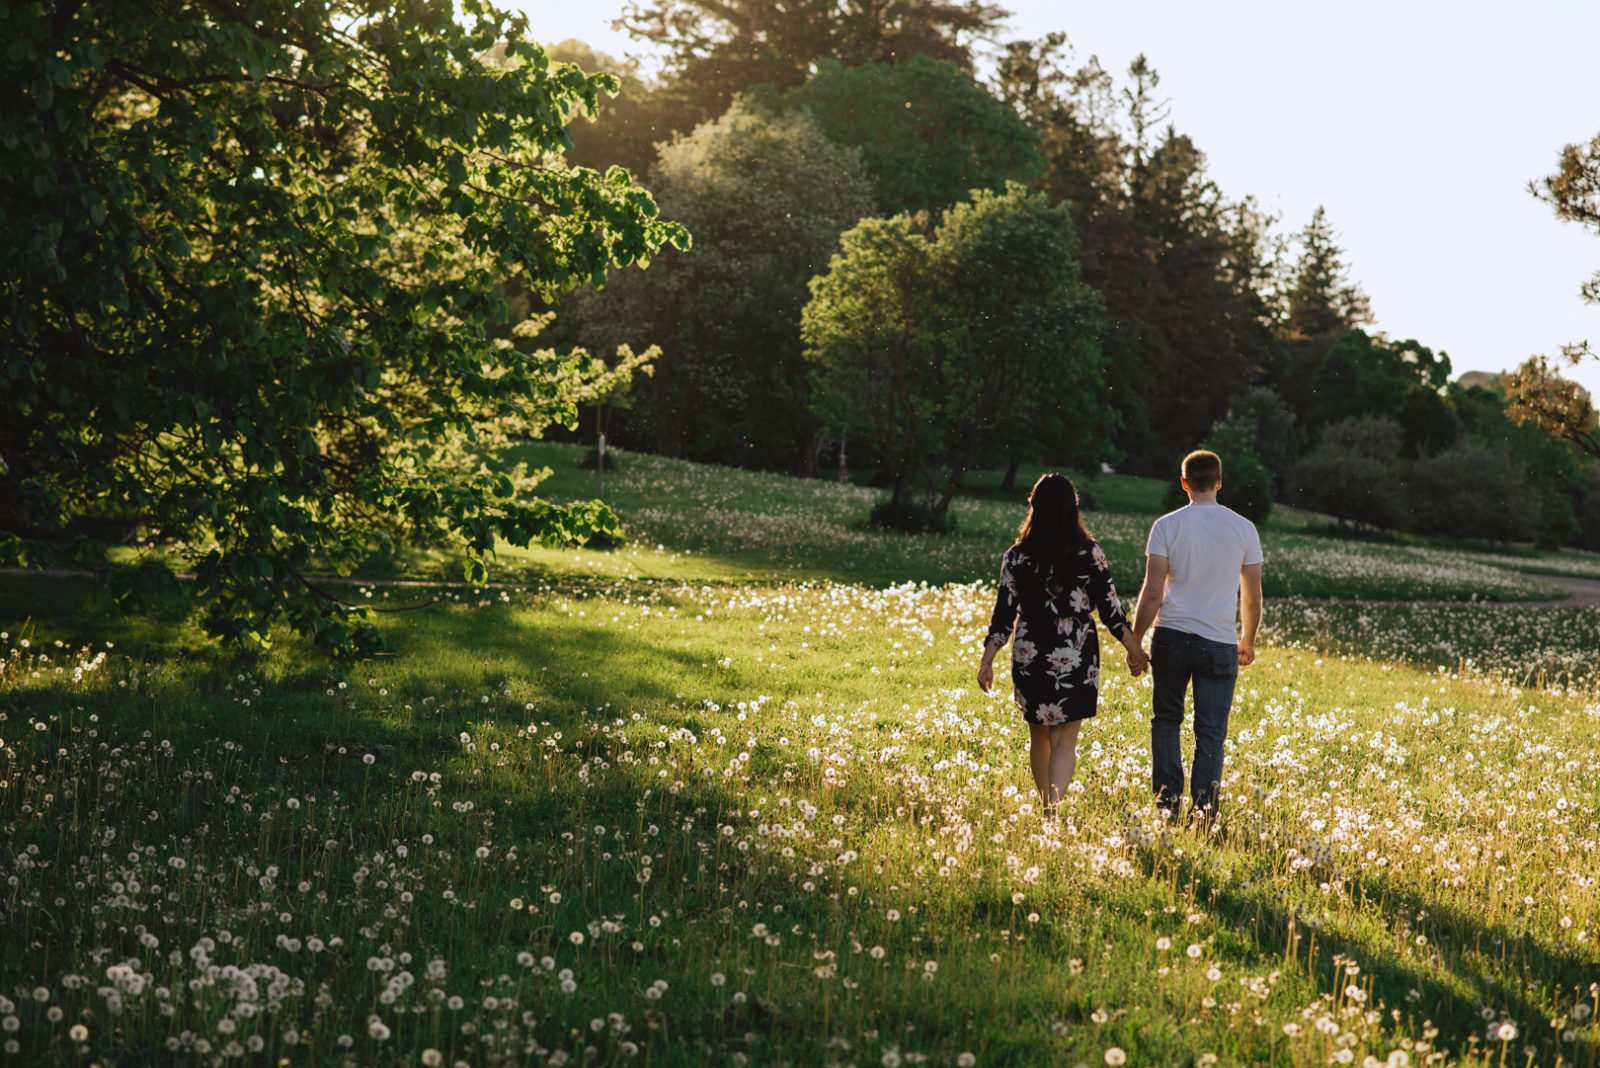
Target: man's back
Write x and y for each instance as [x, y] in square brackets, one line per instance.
[1206, 545]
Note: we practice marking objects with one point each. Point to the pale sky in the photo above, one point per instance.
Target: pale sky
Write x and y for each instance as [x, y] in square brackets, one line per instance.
[1417, 124]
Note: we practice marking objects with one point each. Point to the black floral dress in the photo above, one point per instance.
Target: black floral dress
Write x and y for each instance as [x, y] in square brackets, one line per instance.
[1055, 652]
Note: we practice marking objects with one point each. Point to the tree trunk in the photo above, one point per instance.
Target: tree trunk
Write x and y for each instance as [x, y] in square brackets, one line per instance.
[1010, 481]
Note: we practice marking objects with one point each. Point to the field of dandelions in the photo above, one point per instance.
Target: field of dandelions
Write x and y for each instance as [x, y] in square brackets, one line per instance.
[725, 796]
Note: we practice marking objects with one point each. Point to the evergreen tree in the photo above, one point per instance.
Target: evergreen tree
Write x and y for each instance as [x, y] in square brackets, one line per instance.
[1182, 269]
[1322, 301]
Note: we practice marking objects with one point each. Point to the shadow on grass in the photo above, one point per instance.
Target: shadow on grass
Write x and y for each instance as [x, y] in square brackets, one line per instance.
[1452, 977]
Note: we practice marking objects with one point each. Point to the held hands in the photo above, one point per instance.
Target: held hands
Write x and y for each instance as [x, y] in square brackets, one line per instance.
[1138, 661]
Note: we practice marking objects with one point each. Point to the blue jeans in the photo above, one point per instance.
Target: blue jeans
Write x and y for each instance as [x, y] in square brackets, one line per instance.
[1176, 658]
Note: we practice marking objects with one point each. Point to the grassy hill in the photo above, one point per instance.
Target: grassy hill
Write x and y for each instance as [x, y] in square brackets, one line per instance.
[728, 795]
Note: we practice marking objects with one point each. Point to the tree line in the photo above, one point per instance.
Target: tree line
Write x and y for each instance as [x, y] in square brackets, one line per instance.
[1118, 307]
[285, 276]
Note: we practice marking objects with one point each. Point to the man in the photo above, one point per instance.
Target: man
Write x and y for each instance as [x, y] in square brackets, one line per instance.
[1201, 561]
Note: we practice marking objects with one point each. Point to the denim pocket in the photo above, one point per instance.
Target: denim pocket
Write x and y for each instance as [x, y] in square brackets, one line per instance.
[1222, 661]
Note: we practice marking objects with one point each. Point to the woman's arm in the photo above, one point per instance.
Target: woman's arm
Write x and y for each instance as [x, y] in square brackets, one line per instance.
[1001, 624]
[1104, 594]
[986, 667]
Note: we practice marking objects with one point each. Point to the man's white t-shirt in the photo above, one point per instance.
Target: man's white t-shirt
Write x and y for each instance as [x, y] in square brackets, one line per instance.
[1205, 546]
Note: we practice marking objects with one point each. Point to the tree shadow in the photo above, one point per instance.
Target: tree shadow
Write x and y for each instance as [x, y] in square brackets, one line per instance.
[1448, 980]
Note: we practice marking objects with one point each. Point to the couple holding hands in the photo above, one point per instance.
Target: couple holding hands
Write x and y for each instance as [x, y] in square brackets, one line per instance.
[1202, 562]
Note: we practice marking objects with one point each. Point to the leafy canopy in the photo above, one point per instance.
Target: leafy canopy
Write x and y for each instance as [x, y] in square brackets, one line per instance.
[927, 132]
[767, 196]
[251, 313]
[935, 347]
[1536, 392]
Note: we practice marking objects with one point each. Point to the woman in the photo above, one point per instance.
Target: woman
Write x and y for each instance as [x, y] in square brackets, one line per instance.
[1049, 580]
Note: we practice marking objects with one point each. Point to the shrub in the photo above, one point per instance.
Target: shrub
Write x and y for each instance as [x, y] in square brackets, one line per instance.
[1470, 492]
[911, 518]
[1246, 486]
[1354, 474]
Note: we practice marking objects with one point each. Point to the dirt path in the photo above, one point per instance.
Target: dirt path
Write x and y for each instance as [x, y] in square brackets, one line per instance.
[1585, 593]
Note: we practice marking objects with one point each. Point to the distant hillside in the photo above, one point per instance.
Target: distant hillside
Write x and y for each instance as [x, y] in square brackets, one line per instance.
[1486, 379]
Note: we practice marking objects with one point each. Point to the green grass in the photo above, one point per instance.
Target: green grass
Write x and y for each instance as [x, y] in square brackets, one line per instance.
[714, 524]
[750, 772]
[795, 762]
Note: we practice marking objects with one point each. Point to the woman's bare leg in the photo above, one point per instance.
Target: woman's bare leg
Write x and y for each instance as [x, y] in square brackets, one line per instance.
[1039, 761]
[1063, 757]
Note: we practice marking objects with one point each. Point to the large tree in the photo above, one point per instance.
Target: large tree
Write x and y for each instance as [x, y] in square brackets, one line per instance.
[1537, 392]
[716, 49]
[1364, 375]
[767, 196]
[252, 309]
[928, 134]
[1319, 304]
[1182, 268]
[1321, 299]
[935, 346]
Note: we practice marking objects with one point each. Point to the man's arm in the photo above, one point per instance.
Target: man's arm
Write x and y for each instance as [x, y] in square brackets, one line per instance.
[1249, 612]
[1151, 594]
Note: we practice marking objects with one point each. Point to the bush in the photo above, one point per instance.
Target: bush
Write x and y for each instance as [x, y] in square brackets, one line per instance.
[1277, 438]
[1469, 492]
[911, 518]
[1246, 486]
[1355, 474]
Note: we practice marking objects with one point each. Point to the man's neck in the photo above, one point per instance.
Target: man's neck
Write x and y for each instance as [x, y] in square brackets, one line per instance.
[1203, 498]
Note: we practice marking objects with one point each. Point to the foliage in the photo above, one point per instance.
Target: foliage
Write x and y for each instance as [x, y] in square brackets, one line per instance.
[1469, 492]
[625, 126]
[766, 196]
[1574, 192]
[928, 133]
[1428, 420]
[1321, 300]
[1359, 473]
[1278, 438]
[1246, 480]
[1367, 376]
[1591, 510]
[1182, 269]
[252, 310]
[927, 344]
[1247, 483]
[1353, 474]
[1549, 466]
[1536, 393]
[715, 50]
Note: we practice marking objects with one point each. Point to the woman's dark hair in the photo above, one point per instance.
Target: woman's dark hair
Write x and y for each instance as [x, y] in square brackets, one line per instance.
[1053, 531]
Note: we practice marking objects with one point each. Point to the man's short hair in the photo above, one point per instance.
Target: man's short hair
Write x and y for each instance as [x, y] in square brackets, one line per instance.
[1203, 470]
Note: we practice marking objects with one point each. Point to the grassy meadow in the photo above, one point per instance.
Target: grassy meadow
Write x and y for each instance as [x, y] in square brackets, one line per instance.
[728, 795]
